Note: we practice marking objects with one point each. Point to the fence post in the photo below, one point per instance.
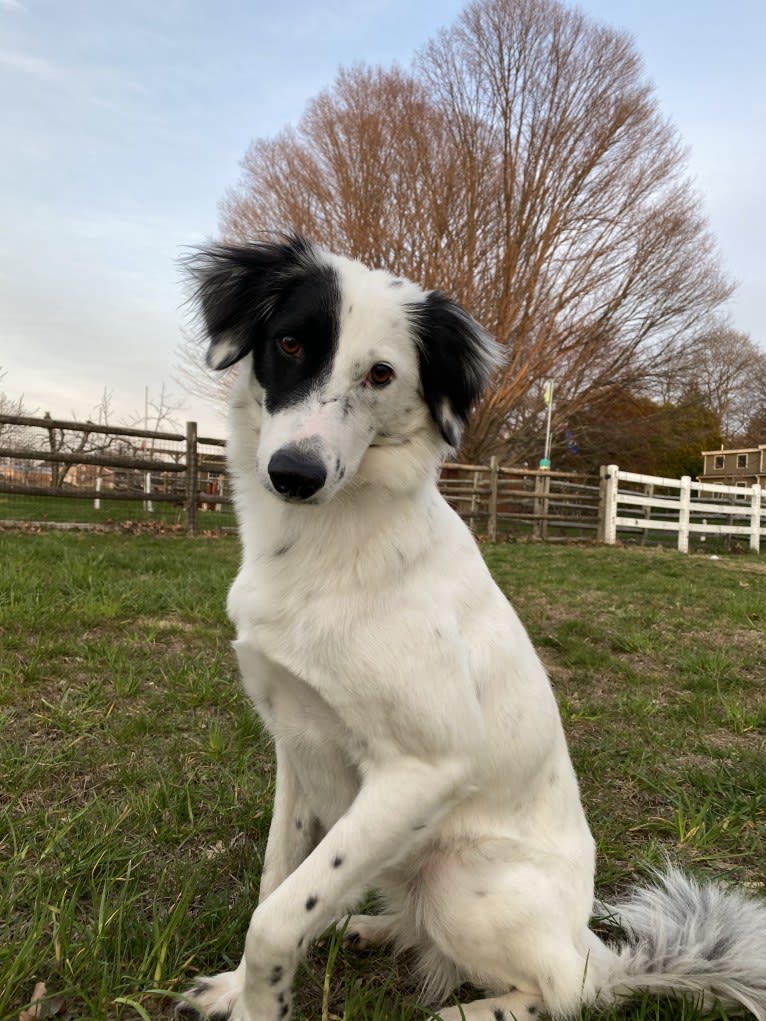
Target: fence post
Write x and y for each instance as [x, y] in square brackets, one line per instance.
[542, 490]
[755, 518]
[684, 511]
[648, 491]
[492, 520]
[148, 505]
[607, 509]
[191, 478]
[474, 502]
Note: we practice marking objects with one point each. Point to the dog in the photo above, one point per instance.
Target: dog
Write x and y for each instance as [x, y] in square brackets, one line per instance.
[419, 748]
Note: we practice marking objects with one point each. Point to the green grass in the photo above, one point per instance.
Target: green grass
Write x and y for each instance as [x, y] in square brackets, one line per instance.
[136, 784]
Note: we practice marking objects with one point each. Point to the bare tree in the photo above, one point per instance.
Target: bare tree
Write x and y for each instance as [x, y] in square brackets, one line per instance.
[524, 166]
[159, 412]
[729, 370]
[10, 433]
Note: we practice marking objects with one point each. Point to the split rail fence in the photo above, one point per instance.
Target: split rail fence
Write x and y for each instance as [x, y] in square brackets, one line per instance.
[113, 472]
[79, 474]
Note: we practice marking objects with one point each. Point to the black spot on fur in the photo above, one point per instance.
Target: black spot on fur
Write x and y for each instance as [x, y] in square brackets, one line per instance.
[337, 861]
[342, 472]
[285, 1010]
[186, 1010]
[396, 283]
[300, 942]
[532, 1009]
[498, 1014]
[721, 947]
[299, 824]
[513, 989]
[281, 998]
[420, 826]
[283, 549]
[480, 893]
[311, 903]
[276, 974]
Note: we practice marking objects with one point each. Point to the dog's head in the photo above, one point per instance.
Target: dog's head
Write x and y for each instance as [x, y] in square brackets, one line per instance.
[346, 363]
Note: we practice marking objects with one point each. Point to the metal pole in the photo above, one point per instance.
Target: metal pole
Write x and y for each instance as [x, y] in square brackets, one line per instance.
[545, 463]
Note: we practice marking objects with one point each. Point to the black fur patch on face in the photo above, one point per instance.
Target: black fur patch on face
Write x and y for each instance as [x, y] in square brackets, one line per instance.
[252, 296]
[308, 311]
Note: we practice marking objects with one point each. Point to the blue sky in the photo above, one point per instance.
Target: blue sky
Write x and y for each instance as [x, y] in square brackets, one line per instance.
[124, 123]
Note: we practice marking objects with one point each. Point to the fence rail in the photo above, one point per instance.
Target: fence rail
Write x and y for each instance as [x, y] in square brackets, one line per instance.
[494, 499]
[48, 466]
[680, 505]
[150, 475]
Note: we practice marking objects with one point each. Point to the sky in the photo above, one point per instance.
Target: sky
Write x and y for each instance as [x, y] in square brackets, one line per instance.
[123, 124]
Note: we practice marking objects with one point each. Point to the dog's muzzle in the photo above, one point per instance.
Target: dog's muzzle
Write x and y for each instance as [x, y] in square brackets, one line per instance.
[296, 474]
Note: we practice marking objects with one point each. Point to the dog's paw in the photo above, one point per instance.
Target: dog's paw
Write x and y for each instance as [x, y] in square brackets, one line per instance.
[514, 1006]
[222, 999]
[214, 998]
[362, 932]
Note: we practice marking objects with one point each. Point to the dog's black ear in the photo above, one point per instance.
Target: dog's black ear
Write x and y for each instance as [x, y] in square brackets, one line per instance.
[237, 287]
[457, 359]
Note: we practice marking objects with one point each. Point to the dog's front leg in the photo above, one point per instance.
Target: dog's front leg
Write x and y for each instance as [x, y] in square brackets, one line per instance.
[293, 828]
[397, 806]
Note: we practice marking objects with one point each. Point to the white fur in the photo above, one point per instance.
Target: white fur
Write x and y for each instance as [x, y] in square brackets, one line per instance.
[417, 736]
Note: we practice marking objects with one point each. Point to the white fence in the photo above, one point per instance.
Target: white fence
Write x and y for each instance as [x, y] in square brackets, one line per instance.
[645, 503]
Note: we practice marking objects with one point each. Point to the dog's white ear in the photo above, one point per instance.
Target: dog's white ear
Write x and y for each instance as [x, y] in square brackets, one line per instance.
[457, 359]
[236, 287]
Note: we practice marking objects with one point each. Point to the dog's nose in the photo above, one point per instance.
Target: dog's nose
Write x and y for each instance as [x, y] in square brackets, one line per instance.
[296, 473]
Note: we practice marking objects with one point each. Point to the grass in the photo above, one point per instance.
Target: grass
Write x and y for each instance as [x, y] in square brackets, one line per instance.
[136, 784]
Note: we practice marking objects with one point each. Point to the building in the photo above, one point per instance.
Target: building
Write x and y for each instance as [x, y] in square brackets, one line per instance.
[735, 467]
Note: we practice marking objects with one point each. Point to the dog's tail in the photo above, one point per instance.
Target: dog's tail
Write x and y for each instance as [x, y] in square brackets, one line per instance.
[704, 941]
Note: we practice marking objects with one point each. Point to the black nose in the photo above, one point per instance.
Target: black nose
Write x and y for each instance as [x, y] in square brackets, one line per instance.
[296, 473]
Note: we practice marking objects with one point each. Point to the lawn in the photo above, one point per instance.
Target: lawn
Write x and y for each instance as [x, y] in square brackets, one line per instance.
[136, 784]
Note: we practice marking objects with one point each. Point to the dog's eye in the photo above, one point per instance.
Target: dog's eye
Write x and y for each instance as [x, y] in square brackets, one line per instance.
[290, 346]
[380, 374]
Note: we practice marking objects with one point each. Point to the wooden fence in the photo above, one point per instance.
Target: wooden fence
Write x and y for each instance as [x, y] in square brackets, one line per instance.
[43, 460]
[497, 501]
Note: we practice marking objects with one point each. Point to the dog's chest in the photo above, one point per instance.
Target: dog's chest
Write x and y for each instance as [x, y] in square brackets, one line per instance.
[322, 751]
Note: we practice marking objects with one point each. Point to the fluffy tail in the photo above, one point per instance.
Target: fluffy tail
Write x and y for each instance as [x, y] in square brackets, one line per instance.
[698, 940]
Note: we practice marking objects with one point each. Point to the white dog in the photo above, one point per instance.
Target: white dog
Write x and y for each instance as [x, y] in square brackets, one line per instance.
[419, 747]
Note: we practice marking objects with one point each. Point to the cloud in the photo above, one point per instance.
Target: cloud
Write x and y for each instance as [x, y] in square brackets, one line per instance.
[27, 64]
